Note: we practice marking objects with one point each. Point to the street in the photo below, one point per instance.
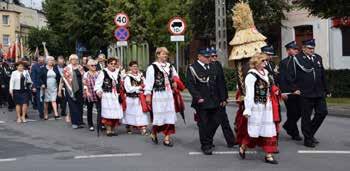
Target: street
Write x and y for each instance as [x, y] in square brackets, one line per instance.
[53, 145]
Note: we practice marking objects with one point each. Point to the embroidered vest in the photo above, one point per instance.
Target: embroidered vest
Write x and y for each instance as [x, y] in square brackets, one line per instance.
[261, 88]
[135, 83]
[109, 83]
[159, 80]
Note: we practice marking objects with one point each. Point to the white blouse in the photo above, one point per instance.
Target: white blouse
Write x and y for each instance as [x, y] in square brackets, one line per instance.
[15, 80]
[127, 83]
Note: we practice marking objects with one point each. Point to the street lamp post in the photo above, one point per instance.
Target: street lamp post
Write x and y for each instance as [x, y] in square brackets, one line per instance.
[221, 31]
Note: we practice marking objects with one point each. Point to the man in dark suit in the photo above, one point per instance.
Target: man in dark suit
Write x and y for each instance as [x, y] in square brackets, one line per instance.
[313, 88]
[225, 124]
[206, 88]
[8, 68]
[270, 65]
[290, 93]
[37, 82]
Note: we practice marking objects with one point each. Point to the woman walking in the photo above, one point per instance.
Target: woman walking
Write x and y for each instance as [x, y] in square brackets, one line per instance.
[159, 87]
[73, 82]
[91, 97]
[134, 115]
[20, 86]
[107, 88]
[257, 126]
[50, 78]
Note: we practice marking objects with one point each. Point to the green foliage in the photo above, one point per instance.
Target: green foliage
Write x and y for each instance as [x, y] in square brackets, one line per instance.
[327, 8]
[339, 82]
[78, 21]
[53, 42]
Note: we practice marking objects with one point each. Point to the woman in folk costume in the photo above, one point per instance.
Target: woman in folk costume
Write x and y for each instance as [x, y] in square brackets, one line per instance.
[158, 90]
[259, 126]
[134, 115]
[107, 87]
[73, 82]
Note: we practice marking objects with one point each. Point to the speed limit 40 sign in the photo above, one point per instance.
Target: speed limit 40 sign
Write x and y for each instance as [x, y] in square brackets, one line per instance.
[121, 20]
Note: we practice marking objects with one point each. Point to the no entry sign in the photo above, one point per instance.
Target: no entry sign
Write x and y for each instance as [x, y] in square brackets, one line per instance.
[121, 20]
[122, 34]
[177, 26]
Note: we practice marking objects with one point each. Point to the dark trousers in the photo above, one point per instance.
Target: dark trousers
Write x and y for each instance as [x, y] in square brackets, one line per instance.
[310, 126]
[11, 104]
[76, 110]
[209, 121]
[90, 106]
[226, 128]
[39, 103]
[293, 115]
[62, 101]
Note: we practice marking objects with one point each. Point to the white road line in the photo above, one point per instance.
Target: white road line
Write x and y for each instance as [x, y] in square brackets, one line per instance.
[2, 122]
[8, 160]
[221, 152]
[31, 120]
[109, 155]
[322, 152]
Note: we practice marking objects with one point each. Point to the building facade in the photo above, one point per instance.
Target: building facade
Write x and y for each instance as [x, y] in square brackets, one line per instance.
[15, 23]
[332, 39]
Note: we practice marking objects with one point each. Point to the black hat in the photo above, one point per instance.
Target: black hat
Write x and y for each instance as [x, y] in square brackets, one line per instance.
[309, 43]
[291, 45]
[212, 51]
[268, 50]
[204, 52]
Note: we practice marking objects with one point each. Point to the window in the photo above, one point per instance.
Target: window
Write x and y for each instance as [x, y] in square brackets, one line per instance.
[6, 20]
[6, 40]
[345, 31]
[302, 33]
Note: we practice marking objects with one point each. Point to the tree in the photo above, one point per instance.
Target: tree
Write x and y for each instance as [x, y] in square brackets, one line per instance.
[53, 42]
[78, 21]
[267, 14]
[327, 8]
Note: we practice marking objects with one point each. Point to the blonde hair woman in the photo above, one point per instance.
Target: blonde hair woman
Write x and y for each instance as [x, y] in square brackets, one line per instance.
[260, 126]
[158, 90]
[73, 82]
[50, 77]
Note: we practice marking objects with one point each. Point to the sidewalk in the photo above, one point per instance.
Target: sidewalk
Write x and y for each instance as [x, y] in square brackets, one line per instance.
[333, 110]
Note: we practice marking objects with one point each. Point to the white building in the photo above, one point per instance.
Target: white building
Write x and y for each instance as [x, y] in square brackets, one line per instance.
[332, 40]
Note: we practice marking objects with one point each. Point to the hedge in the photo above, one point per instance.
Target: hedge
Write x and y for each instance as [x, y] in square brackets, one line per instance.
[338, 81]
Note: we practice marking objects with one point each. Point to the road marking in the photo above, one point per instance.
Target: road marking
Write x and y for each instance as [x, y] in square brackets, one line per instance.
[221, 152]
[109, 155]
[2, 122]
[31, 120]
[322, 152]
[8, 160]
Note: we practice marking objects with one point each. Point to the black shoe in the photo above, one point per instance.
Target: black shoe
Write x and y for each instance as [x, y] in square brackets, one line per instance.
[309, 144]
[57, 117]
[154, 138]
[314, 140]
[273, 161]
[208, 151]
[168, 143]
[297, 138]
[114, 134]
[242, 153]
[109, 134]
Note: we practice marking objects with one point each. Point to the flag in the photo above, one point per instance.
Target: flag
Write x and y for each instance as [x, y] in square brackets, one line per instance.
[22, 51]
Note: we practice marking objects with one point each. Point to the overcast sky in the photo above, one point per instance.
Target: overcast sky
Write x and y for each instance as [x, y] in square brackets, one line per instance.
[32, 3]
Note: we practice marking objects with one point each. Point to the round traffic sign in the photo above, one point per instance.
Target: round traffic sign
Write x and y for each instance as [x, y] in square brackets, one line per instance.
[121, 20]
[177, 26]
[121, 34]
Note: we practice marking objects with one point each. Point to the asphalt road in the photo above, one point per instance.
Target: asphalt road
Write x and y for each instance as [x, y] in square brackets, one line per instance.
[54, 146]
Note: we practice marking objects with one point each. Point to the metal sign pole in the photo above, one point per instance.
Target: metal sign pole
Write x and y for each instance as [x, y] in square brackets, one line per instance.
[177, 56]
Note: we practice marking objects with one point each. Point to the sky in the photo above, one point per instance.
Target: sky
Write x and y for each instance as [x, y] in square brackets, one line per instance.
[32, 3]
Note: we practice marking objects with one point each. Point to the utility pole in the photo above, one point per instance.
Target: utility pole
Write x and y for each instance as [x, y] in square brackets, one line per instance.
[221, 31]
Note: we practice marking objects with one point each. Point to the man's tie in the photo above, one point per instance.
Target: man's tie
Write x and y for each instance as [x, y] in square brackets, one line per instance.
[206, 66]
